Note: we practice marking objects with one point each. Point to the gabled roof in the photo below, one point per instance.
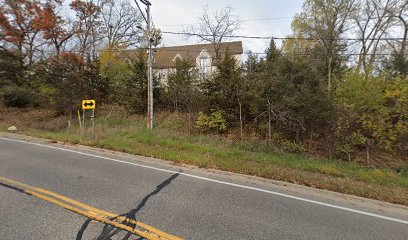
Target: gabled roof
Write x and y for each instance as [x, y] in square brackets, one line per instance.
[164, 56]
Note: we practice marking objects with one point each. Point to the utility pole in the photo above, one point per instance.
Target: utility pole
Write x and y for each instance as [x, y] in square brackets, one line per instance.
[150, 117]
[150, 40]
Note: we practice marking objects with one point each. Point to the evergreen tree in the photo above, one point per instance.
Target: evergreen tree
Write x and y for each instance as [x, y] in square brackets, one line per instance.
[225, 89]
[11, 71]
[132, 93]
[182, 89]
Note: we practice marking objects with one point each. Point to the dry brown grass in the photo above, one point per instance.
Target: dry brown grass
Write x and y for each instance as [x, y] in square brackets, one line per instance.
[172, 140]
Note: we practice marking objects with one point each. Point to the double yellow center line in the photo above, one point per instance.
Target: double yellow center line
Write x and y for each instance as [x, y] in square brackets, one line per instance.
[140, 229]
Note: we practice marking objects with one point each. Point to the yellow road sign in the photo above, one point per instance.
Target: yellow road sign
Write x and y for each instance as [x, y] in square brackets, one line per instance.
[88, 104]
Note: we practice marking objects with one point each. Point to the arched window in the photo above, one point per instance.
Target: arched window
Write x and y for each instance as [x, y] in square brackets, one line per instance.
[204, 65]
[177, 58]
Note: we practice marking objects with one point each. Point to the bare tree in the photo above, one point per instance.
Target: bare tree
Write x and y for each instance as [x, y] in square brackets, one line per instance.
[373, 21]
[87, 26]
[120, 21]
[214, 27]
[399, 28]
[326, 21]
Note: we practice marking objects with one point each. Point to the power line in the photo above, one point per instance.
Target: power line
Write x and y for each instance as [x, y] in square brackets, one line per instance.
[141, 11]
[243, 20]
[277, 38]
[264, 53]
[265, 19]
[222, 52]
[253, 20]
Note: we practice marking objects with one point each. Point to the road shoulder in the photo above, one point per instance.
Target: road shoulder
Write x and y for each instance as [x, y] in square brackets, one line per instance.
[298, 191]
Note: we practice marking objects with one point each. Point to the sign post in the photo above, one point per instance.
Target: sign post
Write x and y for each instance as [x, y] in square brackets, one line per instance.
[89, 105]
[80, 123]
[93, 122]
[83, 121]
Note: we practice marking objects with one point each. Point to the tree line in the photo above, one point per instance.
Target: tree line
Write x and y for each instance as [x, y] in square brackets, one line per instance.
[337, 86]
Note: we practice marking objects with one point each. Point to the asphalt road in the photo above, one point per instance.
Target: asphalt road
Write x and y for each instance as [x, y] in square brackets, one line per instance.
[183, 201]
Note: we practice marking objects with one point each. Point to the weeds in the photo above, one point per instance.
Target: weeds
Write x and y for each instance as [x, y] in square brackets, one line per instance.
[171, 141]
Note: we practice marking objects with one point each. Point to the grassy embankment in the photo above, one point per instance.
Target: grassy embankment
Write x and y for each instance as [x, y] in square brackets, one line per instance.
[170, 141]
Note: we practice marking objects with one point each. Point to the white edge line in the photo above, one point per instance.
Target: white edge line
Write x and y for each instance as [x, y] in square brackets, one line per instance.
[218, 181]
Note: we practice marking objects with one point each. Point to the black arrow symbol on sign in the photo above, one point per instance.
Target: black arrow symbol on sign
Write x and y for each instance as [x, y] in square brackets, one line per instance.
[88, 104]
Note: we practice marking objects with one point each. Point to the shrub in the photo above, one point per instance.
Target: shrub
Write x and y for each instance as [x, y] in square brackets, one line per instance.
[19, 97]
[372, 113]
[68, 79]
[214, 122]
[293, 147]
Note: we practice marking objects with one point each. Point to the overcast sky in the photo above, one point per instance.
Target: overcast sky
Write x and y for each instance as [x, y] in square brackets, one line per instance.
[171, 15]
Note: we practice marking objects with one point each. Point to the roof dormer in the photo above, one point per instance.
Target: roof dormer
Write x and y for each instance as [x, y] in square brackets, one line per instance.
[204, 54]
[177, 58]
